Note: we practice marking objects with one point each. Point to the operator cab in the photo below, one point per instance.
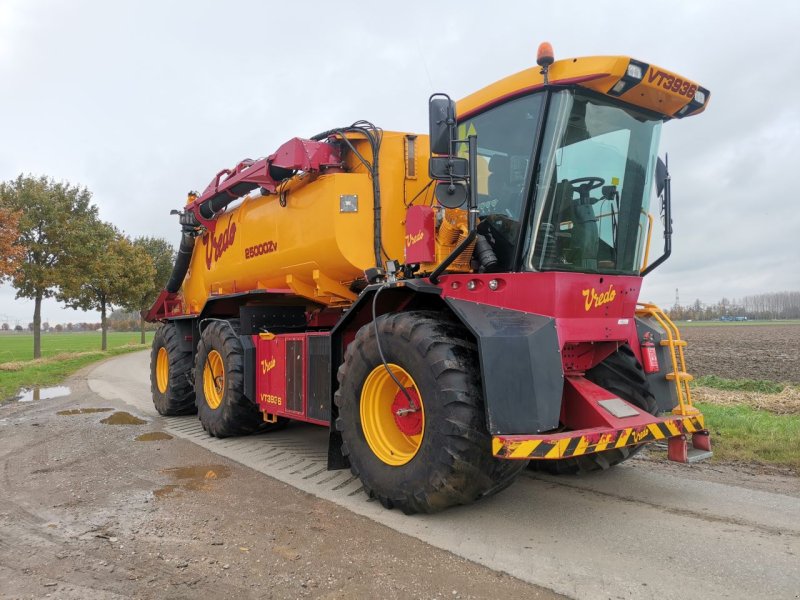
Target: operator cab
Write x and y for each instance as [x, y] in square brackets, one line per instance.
[587, 208]
[565, 162]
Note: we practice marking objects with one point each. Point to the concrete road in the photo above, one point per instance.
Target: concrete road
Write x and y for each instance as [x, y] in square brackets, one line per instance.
[643, 530]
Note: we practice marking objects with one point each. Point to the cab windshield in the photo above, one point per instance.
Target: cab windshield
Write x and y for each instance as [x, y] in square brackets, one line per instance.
[593, 187]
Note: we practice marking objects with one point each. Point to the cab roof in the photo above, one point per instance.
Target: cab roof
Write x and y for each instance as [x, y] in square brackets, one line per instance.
[632, 81]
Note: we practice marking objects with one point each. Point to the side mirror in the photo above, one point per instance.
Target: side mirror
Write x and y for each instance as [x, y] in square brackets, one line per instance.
[442, 123]
[661, 176]
[451, 194]
[448, 167]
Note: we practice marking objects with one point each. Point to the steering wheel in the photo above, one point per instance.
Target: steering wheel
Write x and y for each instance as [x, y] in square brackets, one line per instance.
[587, 184]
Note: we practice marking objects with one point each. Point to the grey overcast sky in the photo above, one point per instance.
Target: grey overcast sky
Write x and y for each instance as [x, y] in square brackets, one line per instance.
[141, 101]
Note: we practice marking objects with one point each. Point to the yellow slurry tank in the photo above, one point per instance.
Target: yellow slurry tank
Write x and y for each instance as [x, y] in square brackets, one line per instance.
[314, 236]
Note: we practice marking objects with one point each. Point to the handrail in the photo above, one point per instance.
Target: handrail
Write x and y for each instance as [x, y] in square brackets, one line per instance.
[678, 359]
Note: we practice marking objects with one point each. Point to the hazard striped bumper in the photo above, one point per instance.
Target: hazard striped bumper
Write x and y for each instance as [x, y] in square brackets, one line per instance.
[587, 441]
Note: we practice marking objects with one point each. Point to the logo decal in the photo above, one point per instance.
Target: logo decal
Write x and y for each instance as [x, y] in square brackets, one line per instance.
[267, 365]
[593, 299]
[216, 246]
[412, 239]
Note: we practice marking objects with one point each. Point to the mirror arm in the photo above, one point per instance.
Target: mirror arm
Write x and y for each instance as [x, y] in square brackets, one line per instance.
[667, 227]
[472, 214]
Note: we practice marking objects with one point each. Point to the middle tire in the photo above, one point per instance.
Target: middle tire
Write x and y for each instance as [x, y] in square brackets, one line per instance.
[427, 459]
[222, 407]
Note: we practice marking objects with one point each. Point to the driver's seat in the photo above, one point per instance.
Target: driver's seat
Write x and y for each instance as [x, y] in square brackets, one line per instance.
[585, 229]
[499, 175]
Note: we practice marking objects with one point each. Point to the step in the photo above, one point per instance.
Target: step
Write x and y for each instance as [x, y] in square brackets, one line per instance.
[680, 376]
[674, 343]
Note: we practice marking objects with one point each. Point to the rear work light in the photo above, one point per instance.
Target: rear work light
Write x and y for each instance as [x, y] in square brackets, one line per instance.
[634, 71]
[699, 97]
[632, 76]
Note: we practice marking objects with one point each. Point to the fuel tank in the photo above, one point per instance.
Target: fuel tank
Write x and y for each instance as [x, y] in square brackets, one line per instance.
[315, 237]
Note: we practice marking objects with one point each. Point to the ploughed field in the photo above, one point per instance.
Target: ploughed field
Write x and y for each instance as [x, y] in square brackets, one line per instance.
[744, 351]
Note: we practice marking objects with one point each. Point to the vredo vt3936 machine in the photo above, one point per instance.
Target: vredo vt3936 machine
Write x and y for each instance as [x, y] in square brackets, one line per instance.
[453, 307]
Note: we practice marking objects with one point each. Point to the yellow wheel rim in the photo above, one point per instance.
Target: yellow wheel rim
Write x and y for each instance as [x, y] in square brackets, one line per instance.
[393, 428]
[162, 370]
[214, 379]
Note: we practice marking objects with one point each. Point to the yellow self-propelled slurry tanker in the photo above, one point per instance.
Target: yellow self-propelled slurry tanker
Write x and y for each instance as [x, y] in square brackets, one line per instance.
[453, 307]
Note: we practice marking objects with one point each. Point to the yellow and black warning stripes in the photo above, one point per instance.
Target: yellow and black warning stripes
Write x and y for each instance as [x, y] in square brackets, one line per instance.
[577, 443]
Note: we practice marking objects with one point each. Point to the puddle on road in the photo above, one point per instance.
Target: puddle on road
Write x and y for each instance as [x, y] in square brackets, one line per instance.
[153, 436]
[199, 478]
[37, 393]
[81, 411]
[123, 418]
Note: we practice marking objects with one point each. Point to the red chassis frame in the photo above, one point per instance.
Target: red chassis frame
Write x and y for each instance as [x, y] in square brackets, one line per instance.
[594, 315]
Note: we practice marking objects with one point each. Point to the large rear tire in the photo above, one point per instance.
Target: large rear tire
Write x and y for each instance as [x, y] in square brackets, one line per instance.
[223, 408]
[622, 375]
[432, 458]
[170, 372]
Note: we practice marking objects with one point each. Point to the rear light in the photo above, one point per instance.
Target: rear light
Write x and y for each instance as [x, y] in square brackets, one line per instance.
[649, 356]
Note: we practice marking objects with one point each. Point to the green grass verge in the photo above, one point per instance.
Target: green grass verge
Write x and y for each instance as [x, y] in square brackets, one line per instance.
[52, 371]
[19, 346]
[740, 385]
[682, 324]
[749, 435]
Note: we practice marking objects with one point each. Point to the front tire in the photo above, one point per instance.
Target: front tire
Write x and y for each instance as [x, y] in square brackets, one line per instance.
[170, 372]
[421, 460]
[223, 408]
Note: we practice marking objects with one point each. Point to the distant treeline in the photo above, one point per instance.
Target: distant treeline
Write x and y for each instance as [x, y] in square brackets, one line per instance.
[775, 305]
[118, 321]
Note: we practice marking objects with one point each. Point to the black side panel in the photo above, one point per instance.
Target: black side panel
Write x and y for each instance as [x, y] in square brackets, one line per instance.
[664, 391]
[521, 367]
[318, 380]
[275, 319]
[249, 359]
[294, 375]
[188, 334]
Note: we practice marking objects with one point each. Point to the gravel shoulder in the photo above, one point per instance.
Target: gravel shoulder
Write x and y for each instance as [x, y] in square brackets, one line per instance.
[87, 511]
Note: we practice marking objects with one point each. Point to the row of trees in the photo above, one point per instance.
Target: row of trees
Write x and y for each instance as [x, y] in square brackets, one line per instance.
[59, 327]
[53, 244]
[775, 305]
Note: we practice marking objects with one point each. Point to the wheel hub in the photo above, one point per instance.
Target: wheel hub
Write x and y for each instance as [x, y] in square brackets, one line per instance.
[408, 418]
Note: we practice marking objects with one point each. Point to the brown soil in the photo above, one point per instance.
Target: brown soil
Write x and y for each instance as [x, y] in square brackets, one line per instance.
[770, 352]
[86, 512]
[123, 418]
[153, 436]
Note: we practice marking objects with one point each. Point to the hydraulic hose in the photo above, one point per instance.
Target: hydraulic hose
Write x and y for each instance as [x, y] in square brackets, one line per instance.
[374, 136]
[181, 263]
